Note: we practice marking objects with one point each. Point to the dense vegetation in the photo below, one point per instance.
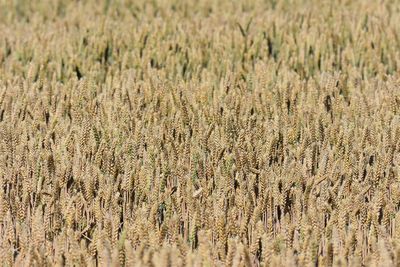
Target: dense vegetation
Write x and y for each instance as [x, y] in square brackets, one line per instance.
[199, 133]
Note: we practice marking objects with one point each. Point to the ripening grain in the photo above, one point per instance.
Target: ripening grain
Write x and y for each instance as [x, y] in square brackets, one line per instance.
[199, 133]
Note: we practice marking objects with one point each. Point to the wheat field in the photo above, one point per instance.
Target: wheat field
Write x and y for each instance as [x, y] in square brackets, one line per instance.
[200, 133]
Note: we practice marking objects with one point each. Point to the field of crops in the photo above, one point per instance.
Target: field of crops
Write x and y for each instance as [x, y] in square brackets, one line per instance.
[200, 133]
